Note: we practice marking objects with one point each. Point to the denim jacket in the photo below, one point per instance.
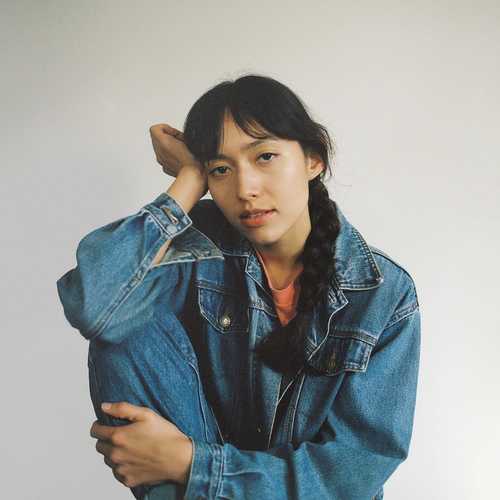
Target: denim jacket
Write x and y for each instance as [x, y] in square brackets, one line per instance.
[345, 430]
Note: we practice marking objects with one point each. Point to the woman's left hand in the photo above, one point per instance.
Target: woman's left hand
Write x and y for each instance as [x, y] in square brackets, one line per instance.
[150, 450]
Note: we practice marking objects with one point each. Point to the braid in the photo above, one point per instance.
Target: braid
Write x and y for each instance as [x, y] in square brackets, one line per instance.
[283, 349]
[317, 257]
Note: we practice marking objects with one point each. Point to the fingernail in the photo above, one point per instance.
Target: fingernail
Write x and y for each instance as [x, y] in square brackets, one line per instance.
[105, 406]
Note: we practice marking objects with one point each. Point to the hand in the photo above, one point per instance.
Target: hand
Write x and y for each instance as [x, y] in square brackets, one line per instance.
[148, 451]
[171, 151]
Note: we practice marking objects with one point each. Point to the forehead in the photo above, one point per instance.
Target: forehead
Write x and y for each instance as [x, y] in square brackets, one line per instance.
[233, 139]
[246, 146]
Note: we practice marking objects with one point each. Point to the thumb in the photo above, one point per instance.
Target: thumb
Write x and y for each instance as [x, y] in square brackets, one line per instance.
[125, 410]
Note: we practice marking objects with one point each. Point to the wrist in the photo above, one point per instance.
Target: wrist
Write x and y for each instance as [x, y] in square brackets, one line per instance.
[185, 460]
[194, 174]
[188, 188]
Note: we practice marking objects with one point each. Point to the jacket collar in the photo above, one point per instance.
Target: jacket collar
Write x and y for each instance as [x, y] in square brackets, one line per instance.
[355, 266]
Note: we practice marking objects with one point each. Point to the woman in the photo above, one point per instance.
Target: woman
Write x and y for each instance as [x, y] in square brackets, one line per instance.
[246, 356]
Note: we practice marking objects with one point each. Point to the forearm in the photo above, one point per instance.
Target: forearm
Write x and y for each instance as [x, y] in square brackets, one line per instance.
[185, 461]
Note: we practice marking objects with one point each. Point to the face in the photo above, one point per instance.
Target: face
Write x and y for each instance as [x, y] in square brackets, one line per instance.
[269, 174]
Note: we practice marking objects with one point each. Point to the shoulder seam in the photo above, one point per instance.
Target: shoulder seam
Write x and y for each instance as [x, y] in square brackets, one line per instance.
[404, 313]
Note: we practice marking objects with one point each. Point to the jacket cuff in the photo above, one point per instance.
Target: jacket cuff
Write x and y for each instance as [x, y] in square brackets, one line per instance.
[205, 476]
[169, 215]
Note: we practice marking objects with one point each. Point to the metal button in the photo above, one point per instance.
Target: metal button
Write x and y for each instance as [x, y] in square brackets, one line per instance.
[225, 321]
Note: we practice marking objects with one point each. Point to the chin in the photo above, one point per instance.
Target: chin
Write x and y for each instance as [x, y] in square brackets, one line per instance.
[264, 239]
[265, 235]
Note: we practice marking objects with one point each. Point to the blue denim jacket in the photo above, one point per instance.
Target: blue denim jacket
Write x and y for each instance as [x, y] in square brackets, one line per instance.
[344, 431]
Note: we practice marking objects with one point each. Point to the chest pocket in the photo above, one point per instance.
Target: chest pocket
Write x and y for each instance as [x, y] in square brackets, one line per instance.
[225, 310]
[343, 351]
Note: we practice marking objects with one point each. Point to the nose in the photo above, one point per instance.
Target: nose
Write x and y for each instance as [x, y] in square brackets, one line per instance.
[248, 184]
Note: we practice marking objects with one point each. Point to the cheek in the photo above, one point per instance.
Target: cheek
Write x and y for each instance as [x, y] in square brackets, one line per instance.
[221, 200]
[215, 191]
[217, 186]
[292, 192]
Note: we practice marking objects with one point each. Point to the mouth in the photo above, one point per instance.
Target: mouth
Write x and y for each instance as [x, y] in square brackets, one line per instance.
[258, 219]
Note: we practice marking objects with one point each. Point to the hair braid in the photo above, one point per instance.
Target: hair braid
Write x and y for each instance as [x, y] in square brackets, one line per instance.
[317, 257]
[284, 348]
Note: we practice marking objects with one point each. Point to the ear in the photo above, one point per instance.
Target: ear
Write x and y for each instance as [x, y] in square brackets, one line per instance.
[314, 166]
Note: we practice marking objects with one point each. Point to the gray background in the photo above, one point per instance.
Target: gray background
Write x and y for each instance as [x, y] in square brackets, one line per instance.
[409, 91]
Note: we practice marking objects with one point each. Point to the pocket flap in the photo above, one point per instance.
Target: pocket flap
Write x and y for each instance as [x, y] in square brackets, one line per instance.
[342, 351]
[225, 310]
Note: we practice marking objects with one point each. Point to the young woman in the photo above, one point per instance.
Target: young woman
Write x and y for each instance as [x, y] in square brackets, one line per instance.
[252, 345]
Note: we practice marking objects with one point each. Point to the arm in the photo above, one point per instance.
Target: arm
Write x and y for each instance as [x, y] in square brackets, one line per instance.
[364, 439]
[113, 260]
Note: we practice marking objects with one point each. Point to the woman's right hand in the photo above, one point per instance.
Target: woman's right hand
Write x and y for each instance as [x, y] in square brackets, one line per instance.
[171, 151]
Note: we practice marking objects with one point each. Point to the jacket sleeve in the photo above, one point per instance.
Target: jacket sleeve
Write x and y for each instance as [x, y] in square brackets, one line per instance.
[363, 440]
[113, 260]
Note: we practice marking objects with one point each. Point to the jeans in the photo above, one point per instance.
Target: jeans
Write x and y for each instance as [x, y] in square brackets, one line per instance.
[158, 369]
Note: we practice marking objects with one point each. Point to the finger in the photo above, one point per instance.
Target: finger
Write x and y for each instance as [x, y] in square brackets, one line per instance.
[164, 128]
[101, 431]
[126, 410]
[173, 131]
[168, 172]
[103, 447]
[109, 462]
[156, 128]
[119, 477]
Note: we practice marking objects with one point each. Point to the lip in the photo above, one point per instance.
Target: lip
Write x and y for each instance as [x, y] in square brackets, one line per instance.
[259, 220]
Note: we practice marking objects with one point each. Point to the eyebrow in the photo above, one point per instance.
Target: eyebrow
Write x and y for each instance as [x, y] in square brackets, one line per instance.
[248, 146]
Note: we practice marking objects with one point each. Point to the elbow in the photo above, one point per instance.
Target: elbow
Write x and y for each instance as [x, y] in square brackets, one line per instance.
[71, 296]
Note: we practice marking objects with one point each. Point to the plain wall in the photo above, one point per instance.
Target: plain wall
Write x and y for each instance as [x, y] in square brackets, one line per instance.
[409, 92]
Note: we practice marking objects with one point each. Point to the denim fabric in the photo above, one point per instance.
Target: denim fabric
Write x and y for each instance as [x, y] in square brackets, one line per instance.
[178, 336]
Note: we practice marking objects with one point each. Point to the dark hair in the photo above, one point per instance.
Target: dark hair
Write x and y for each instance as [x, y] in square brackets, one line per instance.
[261, 105]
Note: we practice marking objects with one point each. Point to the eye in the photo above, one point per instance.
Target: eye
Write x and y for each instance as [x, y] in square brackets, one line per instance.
[213, 170]
[272, 154]
[260, 156]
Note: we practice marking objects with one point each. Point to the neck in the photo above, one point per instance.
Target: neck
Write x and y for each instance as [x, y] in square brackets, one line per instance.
[285, 253]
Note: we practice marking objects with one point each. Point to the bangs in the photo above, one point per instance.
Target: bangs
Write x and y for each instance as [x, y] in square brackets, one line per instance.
[261, 107]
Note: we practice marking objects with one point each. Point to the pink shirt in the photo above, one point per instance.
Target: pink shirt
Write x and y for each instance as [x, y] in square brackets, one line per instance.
[285, 299]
